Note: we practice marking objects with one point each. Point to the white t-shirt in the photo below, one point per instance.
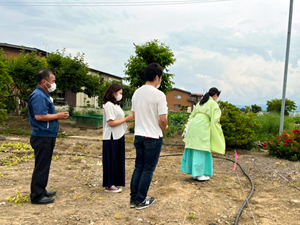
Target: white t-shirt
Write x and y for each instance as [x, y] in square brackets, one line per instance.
[147, 104]
[113, 112]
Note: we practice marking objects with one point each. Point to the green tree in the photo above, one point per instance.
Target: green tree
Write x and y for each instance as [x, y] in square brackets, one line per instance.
[5, 80]
[151, 51]
[71, 73]
[127, 91]
[256, 108]
[274, 105]
[23, 70]
[238, 128]
[247, 109]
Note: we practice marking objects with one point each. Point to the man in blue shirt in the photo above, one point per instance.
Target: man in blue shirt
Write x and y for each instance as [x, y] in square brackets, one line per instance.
[44, 123]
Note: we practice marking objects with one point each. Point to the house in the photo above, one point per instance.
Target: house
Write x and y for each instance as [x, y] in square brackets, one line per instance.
[66, 97]
[83, 99]
[178, 98]
[14, 50]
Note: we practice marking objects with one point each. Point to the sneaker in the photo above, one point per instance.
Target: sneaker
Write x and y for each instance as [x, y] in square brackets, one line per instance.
[113, 189]
[146, 203]
[203, 178]
[132, 203]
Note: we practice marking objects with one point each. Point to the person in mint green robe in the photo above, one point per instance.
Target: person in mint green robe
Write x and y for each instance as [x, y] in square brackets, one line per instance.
[203, 136]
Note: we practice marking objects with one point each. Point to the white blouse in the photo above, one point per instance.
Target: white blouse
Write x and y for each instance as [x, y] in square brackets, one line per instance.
[113, 112]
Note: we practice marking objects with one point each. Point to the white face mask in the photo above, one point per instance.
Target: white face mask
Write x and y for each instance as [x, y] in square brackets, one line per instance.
[52, 88]
[157, 86]
[119, 97]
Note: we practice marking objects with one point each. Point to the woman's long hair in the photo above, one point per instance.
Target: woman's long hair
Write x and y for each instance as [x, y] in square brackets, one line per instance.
[211, 93]
[109, 94]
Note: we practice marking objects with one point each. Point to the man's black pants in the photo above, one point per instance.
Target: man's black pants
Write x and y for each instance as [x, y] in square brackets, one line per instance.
[43, 150]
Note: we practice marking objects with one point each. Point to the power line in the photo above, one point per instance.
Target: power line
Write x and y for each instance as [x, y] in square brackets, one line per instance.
[110, 3]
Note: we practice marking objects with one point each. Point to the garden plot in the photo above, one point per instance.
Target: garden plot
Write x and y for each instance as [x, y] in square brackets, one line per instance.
[76, 175]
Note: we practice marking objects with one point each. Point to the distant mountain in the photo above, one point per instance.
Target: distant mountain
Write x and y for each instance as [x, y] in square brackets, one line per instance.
[263, 106]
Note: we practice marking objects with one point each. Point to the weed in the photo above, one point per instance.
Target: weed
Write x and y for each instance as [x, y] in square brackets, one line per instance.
[87, 181]
[238, 198]
[19, 200]
[99, 189]
[77, 196]
[192, 215]
[220, 189]
[69, 167]
[117, 216]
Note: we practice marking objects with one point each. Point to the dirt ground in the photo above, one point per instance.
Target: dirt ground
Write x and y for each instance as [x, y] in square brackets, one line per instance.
[81, 199]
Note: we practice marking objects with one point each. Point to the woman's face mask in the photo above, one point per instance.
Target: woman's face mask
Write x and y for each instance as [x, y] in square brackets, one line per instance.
[119, 97]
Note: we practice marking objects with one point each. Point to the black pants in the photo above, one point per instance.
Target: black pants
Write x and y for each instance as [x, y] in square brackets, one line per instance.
[43, 150]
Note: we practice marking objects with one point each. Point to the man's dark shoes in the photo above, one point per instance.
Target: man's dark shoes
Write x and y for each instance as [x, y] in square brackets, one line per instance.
[50, 194]
[43, 201]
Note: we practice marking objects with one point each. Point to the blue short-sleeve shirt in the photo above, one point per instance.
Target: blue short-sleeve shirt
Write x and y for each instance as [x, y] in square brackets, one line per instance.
[39, 103]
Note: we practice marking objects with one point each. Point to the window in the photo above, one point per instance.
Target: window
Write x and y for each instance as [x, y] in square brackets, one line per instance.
[177, 96]
[177, 106]
[193, 99]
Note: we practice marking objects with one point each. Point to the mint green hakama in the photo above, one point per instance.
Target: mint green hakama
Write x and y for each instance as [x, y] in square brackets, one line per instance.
[197, 163]
[203, 136]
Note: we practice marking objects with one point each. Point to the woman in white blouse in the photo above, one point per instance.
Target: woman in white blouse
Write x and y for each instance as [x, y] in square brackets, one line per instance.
[114, 127]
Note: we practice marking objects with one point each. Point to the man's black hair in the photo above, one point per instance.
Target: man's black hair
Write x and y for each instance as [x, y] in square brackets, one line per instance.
[152, 70]
[43, 74]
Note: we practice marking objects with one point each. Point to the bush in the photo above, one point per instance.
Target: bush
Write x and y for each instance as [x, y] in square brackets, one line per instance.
[297, 120]
[176, 122]
[3, 116]
[131, 128]
[270, 124]
[285, 146]
[71, 110]
[238, 128]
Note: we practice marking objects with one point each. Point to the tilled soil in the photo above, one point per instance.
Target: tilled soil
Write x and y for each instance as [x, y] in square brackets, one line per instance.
[76, 175]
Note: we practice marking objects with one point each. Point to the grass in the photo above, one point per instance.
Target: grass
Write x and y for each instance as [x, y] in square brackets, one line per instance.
[270, 125]
[15, 131]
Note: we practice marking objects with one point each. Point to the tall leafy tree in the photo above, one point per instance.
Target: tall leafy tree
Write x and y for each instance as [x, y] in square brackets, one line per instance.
[152, 51]
[256, 108]
[72, 73]
[274, 105]
[5, 80]
[127, 91]
[23, 70]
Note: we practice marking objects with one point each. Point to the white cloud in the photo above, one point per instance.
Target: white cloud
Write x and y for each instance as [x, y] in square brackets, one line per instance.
[237, 46]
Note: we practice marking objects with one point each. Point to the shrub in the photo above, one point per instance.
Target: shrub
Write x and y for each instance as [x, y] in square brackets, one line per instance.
[238, 128]
[297, 120]
[71, 109]
[270, 125]
[131, 128]
[176, 122]
[285, 146]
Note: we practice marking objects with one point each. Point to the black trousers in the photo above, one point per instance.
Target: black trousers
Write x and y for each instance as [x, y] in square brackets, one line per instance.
[43, 150]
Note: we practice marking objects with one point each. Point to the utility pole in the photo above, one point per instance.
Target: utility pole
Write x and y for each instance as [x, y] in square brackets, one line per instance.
[286, 66]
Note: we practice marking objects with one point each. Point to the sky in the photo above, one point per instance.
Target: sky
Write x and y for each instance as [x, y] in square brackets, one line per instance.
[238, 46]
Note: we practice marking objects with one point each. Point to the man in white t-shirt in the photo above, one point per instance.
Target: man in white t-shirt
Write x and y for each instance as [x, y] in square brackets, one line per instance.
[149, 108]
